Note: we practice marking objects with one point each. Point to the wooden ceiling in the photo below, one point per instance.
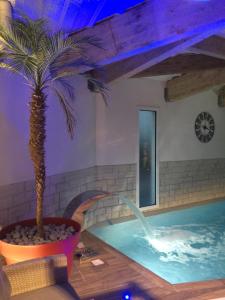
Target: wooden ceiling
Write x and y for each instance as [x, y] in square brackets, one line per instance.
[198, 70]
[185, 37]
[153, 38]
[72, 14]
[182, 63]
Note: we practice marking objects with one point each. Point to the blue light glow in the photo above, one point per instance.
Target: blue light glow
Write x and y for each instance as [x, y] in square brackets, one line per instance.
[77, 13]
[127, 296]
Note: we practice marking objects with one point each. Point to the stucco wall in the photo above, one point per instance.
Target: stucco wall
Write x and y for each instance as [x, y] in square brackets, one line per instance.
[62, 154]
[116, 133]
[117, 124]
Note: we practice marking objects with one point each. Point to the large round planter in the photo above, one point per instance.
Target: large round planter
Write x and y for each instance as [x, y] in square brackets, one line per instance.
[18, 253]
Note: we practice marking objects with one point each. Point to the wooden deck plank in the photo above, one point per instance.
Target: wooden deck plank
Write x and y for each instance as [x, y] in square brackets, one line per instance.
[119, 274]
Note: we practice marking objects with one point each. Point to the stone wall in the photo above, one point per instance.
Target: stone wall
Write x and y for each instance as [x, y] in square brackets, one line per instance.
[17, 201]
[191, 181]
[120, 180]
[180, 182]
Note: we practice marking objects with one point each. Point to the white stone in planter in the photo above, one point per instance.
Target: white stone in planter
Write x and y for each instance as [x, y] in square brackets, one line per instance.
[28, 235]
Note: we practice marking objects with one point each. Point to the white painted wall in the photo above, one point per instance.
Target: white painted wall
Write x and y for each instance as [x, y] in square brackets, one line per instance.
[117, 124]
[62, 154]
[115, 140]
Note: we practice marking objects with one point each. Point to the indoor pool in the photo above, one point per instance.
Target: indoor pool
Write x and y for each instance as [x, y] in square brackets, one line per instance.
[183, 246]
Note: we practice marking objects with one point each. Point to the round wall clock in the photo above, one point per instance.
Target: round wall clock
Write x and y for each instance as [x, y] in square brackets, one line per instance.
[204, 127]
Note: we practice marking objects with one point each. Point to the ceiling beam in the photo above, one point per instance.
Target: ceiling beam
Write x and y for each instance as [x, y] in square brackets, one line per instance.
[126, 67]
[213, 46]
[221, 97]
[147, 26]
[190, 84]
[133, 65]
[183, 63]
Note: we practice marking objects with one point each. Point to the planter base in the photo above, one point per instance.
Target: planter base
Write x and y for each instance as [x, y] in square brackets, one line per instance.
[18, 253]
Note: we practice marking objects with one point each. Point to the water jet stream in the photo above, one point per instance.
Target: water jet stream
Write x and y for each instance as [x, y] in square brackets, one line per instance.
[139, 215]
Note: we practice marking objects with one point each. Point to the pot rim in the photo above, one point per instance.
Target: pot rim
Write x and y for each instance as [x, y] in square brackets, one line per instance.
[9, 227]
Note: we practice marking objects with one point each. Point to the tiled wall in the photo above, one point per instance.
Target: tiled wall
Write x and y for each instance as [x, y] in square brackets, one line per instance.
[17, 201]
[179, 182]
[191, 181]
[120, 180]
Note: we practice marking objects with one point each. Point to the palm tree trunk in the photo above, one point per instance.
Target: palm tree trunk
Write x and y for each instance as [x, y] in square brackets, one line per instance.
[37, 151]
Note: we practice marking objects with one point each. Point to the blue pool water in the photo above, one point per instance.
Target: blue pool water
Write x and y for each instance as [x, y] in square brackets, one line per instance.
[185, 245]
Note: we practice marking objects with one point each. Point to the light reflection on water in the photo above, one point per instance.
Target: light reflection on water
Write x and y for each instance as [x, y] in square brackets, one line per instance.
[191, 243]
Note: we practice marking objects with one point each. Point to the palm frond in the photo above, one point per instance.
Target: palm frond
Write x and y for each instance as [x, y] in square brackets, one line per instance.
[47, 59]
[56, 50]
[23, 64]
[11, 42]
[64, 74]
[32, 30]
[16, 52]
[12, 69]
[63, 83]
[70, 119]
[2, 56]
[73, 66]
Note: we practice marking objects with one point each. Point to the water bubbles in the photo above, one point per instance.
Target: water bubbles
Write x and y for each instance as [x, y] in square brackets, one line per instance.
[183, 245]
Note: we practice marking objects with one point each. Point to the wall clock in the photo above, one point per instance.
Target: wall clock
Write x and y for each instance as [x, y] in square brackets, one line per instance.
[204, 127]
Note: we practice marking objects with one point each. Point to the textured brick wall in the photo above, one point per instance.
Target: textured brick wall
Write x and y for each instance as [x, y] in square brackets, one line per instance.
[17, 201]
[120, 180]
[179, 183]
[191, 181]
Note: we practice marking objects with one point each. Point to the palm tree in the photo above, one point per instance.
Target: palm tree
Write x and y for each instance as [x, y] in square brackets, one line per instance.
[45, 60]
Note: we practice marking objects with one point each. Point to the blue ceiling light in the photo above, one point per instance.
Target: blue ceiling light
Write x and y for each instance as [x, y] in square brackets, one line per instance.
[127, 296]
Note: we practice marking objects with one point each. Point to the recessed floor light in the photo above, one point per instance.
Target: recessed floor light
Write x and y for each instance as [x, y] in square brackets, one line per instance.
[80, 245]
[97, 262]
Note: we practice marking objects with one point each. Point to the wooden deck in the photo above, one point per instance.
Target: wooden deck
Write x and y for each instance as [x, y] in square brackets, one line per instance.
[120, 274]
